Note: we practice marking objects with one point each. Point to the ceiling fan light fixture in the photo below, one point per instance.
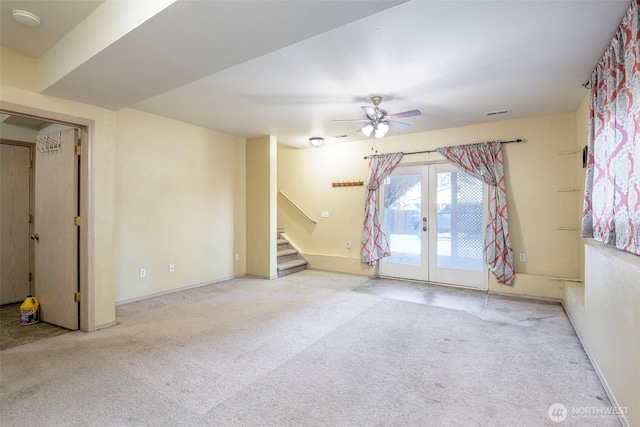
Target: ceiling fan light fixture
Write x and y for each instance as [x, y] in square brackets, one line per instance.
[26, 18]
[316, 141]
[381, 130]
[367, 129]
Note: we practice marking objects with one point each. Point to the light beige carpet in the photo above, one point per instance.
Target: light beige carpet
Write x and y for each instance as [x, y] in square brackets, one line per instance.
[305, 350]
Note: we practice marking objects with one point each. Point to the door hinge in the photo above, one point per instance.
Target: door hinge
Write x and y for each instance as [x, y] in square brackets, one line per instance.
[76, 297]
[30, 277]
[78, 150]
[30, 219]
[76, 221]
[30, 164]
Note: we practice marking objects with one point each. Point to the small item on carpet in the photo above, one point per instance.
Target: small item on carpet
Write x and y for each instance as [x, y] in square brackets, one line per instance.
[29, 311]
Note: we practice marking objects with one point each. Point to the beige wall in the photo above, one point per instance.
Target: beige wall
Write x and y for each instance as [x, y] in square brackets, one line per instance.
[18, 70]
[261, 164]
[179, 200]
[534, 174]
[612, 323]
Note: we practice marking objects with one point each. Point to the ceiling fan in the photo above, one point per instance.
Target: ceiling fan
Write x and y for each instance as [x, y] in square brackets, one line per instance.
[378, 120]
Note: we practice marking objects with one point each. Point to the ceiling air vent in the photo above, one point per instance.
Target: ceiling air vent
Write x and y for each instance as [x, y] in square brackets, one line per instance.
[495, 113]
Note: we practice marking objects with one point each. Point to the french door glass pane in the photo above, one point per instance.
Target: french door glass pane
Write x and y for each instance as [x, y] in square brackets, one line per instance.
[459, 221]
[402, 218]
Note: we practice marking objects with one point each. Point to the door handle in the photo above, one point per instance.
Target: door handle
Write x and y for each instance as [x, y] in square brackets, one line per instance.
[35, 237]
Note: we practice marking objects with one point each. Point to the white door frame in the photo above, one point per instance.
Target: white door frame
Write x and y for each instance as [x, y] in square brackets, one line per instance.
[87, 245]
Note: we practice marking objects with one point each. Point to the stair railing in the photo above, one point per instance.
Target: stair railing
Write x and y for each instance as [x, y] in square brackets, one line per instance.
[298, 208]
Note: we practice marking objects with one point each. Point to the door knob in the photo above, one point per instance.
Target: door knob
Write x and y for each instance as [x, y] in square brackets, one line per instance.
[35, 237]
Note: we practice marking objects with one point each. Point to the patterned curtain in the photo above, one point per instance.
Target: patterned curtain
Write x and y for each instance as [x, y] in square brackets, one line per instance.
[374, 242]
[484, 161]
[612, 189]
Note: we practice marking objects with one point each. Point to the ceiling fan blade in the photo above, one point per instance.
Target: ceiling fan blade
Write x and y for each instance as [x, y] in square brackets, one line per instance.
[404, 114]
[370, 112]
[352, 120]
[393, 123]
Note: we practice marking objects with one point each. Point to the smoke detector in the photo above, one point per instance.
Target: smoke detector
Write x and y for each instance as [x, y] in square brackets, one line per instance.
[26, 18]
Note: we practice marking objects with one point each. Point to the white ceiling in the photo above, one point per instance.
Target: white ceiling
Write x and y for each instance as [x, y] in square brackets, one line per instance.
[288, 68]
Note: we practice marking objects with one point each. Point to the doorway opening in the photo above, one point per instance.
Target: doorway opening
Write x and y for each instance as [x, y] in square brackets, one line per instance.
[434, 217]
[79, 133]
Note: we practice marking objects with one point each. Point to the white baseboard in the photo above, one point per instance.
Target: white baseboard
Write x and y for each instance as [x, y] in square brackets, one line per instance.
[106, 325]
[171, 291]
[527, 297]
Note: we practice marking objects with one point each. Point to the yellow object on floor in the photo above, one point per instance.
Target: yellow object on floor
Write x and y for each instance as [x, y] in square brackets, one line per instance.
[29, 311]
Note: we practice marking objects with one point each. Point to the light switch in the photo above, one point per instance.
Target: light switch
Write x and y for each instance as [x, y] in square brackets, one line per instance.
[325, 214]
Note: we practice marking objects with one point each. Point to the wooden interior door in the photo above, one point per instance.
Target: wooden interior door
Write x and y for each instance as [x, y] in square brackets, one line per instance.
[55, 234]
[15, 199]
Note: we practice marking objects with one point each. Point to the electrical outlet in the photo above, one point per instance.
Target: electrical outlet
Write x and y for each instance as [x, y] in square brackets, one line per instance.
[172, 268]
[143, 272]
[523, 257]
[237, 257]
[348, 245]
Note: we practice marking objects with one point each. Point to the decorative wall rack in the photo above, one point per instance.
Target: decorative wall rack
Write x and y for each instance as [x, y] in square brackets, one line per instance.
[347, 184]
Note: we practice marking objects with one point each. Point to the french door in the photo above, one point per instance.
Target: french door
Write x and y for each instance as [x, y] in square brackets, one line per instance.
[434, 218]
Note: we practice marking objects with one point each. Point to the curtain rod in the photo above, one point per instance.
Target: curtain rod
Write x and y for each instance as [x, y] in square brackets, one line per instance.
[433, 151]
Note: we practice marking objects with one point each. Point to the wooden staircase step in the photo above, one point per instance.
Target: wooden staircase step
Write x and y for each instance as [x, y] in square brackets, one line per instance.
[285, 252]
[293, 266]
